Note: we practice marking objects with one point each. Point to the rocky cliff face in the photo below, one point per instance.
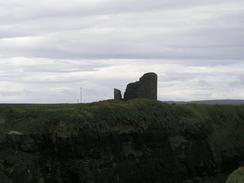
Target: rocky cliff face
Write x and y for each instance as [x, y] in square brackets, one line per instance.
[89, 158]
[120, 142]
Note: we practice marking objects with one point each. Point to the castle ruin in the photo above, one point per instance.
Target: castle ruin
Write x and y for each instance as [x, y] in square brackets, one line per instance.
[146, 87]
[117, 94]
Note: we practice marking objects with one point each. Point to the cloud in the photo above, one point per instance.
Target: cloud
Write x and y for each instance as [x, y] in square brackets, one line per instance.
[59, 81]
[50, 48]
[123, 29]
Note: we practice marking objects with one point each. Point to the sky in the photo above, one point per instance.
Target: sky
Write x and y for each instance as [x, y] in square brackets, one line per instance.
[51, 48]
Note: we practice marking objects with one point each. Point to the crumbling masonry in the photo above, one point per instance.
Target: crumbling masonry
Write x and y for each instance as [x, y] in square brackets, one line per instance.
[146, 87]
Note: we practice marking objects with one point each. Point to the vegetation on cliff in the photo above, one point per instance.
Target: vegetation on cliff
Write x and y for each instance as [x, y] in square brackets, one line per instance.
[225, 121]
[237, 176]
[125, 139]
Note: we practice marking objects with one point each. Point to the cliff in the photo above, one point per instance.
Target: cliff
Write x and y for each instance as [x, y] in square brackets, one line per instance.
[112, 141]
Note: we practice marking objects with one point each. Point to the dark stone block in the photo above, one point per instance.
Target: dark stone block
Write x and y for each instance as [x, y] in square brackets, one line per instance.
[146, 87]
[117, 94]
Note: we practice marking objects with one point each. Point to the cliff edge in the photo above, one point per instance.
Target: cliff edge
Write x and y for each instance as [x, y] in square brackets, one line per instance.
[112, 141]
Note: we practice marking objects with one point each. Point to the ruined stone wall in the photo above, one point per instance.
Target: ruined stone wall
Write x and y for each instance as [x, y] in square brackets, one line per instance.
[146, 87]
[117, 94]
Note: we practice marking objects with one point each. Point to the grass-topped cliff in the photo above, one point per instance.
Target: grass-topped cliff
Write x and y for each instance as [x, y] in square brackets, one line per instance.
[31, 118]
[224, 124]
[204, 139]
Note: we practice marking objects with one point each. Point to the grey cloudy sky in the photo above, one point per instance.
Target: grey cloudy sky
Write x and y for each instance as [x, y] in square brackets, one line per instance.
[49, 48]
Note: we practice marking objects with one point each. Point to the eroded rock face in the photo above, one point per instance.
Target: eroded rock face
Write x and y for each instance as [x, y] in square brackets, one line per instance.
[117, 94]
[137, 156]
[146, 87]
[92, 158]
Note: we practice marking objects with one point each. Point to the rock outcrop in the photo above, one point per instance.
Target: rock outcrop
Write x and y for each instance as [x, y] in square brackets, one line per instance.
[92, 158]
[117, 94]
[146, 87]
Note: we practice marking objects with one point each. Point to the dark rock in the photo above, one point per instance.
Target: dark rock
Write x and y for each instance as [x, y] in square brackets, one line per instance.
[117, 94]
[197, 180]
[118, 158]
[146, 87]
[187, 181]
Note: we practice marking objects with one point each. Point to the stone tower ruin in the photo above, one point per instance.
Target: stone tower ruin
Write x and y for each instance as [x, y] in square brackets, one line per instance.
[146, 87]
[117, 94]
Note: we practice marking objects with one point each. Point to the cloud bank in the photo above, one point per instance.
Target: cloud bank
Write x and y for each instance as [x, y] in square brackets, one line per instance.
[50, 48]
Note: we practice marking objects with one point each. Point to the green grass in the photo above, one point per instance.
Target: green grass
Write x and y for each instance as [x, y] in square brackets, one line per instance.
[237, 176]
[222, 125]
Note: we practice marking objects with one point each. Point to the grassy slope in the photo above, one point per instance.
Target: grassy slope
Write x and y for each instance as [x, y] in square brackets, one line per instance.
[237, 176]
[223, 124]
[32, 118]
